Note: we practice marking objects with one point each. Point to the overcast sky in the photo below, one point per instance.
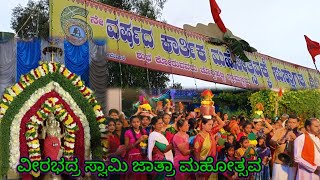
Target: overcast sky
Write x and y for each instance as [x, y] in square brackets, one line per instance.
[273, 27]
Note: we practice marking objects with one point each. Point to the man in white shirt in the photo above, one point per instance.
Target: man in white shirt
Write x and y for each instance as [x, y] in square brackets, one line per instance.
[307, 152]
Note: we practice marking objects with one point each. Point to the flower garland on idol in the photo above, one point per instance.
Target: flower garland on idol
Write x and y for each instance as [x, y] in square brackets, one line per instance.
[41, 115]
[15, 96]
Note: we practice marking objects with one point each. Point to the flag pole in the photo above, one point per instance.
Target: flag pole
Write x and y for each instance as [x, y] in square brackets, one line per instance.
[315, 66]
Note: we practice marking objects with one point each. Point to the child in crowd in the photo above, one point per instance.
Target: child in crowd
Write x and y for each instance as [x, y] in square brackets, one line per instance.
[145, 123]
[265, 154]
[229, 151]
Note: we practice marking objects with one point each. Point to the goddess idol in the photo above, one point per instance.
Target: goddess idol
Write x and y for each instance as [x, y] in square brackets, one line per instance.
[52, 138]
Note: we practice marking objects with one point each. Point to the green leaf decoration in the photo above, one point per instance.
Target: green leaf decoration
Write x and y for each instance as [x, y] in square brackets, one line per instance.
[257, 116]
[221, 141]
[216, 41]
[236, 48]
[250, 152]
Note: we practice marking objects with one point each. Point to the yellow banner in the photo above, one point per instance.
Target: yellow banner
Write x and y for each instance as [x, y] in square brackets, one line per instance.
[139, 41]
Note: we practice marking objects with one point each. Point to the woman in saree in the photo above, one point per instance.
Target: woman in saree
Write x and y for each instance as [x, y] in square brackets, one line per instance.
[132, 138]
[261, 127]
[166, 124]
[174, 119]
[192, 127]
[114, 144]
[247, 129]
[113, 139]
[181, 147]
[205, 144]
[120, 130]
[158, 146]
[166, 121]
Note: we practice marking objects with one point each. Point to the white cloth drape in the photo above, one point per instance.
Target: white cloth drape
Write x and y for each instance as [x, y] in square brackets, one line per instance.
[153, 137]
[98, 73]
[8, 62]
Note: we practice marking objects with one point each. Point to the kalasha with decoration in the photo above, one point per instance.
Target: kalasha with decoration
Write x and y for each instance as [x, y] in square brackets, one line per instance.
[207, 104]
[52, 100]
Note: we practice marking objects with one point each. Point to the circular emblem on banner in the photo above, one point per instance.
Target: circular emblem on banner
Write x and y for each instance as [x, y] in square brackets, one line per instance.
[76, 32]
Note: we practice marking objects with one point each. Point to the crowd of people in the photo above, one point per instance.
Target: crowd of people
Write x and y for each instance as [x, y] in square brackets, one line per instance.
[288, 150]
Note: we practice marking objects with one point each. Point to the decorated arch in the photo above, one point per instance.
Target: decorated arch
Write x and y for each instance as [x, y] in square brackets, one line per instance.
[25, 106]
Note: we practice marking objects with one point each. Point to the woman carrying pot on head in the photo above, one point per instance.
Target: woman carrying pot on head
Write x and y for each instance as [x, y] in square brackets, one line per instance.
[205, 144]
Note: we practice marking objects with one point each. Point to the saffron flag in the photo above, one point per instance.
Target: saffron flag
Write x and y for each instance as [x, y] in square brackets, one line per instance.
[313, 48]
[215, 11]
[280, 92]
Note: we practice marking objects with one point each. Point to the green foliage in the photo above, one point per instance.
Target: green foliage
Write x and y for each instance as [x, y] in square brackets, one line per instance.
[31, 21]
[304, 103]
[267, 98]
[147, 8]
[144, 8]
[215, 41]
[237, 112]
[233, 103]
[122, 4]
[135, 77]
[18, 102]
[236, 48]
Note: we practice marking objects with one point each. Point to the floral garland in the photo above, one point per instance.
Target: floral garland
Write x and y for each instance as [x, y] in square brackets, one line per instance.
[82, 142]
[36, 100]
[41, 115]
[46, 73]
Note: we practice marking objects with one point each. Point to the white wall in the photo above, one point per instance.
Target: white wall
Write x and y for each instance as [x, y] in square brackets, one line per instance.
[113, 99]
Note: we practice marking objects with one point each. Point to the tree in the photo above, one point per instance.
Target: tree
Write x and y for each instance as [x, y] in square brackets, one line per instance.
[304, 103]
[125, 76]
[31, 21]
[268, 98]
[176, 86]
[233, 102]
[148, 8]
